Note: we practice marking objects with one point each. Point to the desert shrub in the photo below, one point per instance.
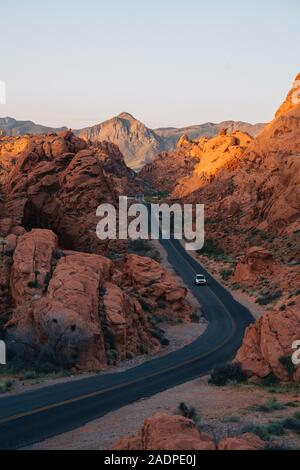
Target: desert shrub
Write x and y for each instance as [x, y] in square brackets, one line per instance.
[28, 375]
[189, 412]
[258, 430]
[231, 419]
[236, 286]
[230, 372]
[112, 356]
[269, 298]
[5, 386]
[210, 248]
[271, 405]
[280, 446]
[195, 317]
[275, 428]
[159, 334]
[287, 363]
[270, 380]
[292, 424]
[138, 246]
[225, 274]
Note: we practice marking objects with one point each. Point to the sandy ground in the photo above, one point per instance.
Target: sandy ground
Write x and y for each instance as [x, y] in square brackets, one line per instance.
[223, 410]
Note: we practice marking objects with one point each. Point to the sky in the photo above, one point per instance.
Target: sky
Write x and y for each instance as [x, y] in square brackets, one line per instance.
[167, 62]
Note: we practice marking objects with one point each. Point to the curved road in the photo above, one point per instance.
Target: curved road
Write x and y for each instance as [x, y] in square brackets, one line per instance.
[35, 415]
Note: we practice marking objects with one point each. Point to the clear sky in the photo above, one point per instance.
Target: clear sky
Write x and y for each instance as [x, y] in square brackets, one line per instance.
[167, 62]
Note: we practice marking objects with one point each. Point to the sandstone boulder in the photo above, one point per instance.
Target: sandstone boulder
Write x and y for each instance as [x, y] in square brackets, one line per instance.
[164, 432]
[257, 261]
[246, 441]
[267, 345]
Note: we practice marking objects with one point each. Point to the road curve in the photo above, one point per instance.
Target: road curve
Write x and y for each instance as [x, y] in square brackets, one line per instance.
[36, 415]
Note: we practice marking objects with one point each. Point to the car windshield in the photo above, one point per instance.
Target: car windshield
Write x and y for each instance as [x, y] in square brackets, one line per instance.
[200, 276]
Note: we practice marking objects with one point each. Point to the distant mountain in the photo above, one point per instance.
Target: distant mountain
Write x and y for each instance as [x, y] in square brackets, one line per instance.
[209, 129]
[137, 142]
[14, 128]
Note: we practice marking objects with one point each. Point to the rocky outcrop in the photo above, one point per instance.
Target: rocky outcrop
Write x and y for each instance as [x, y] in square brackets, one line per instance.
[56, 182]
[257, 262]
[247, 441]
[127, 322]
[83, 310]
[219, 154]
[156, 288]
[292, 100]
[195, 163]
[267, 345]
[165, 432]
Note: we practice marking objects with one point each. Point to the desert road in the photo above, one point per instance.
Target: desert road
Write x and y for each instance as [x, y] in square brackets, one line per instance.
[36, 415]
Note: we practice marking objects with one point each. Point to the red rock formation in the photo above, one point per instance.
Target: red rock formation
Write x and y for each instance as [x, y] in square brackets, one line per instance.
[292, 100]
[247, 441]
[164, 432]
[267, 345]
[157, 287]
[257, 262]
[82, 309]
[56, 182]
[251, 191]
[195, 163]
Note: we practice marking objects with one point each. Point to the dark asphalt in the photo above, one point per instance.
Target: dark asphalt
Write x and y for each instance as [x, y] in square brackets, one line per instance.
[36, 415]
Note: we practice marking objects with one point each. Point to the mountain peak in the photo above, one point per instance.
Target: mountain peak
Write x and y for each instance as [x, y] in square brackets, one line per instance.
[127, 116]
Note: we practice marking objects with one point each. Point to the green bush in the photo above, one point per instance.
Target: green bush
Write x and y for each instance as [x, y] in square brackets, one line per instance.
[195, 317]
[189, 412]
[292, 424]
[5, 386]
[210, 248]
[225, 373]
[258, 430]
[270, 380]
[287, 363]
[269, 298]
[225, 274]
[271, 405]
[275, 428]
[159, 334]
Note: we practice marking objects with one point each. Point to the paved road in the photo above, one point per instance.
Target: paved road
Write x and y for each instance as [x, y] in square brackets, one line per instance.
[36, 415]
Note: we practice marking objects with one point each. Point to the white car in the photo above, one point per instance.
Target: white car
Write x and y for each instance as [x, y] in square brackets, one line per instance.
[200, 280]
